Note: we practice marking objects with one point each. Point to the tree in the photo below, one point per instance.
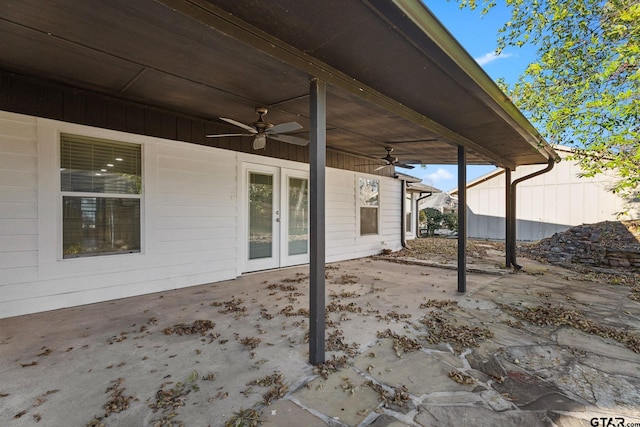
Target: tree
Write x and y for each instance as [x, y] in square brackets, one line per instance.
[432, 218]
[450, 221]
[584, 88]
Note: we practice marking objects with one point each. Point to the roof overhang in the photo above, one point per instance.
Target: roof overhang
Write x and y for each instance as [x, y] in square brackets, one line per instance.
[396, 76]
[422, 188]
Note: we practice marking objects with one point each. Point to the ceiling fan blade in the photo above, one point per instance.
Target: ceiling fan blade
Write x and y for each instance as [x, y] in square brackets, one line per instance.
[380, 167]
[222, 135]
[285, 127]
[239, 124]
[411, 141]
[289, 139]
[404, 166]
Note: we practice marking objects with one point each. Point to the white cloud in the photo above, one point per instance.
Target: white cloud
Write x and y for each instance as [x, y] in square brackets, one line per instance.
[439, 176]
[490, 57]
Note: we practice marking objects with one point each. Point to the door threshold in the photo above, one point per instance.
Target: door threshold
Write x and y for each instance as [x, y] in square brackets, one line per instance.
[289, 267]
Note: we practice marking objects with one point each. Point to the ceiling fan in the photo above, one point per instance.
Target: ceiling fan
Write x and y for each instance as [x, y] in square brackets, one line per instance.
[261, 130]
[391, 160]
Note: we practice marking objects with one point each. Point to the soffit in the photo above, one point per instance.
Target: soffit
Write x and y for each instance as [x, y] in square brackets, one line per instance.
[389, 83]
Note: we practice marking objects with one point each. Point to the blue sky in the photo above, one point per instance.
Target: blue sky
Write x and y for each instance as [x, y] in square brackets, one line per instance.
[477, 34]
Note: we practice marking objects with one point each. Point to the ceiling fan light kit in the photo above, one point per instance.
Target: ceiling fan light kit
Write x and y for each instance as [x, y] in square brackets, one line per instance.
[261, 130]
[259, 141]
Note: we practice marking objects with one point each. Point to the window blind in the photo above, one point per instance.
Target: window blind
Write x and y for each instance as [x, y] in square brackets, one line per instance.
[92, 165]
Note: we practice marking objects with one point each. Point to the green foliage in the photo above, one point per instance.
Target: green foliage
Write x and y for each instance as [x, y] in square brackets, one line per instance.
[584, 88]
[433, 219]
[450, 221]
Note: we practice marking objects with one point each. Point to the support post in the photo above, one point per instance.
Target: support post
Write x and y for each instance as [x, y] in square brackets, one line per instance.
[462, 219]
[317, 164]
[508, 217]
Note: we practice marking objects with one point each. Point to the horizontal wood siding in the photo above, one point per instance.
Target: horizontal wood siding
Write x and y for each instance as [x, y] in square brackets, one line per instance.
[197, 205]
[18, 200]
[391, 212]
[340, 214]
[343, 238]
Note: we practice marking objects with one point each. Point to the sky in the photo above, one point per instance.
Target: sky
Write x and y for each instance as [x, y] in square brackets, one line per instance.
[478, 35]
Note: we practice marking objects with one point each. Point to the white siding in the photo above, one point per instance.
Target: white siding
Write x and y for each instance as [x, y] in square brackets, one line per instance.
[546, 204]
[191, 232]
[18, 199]
[342, 216]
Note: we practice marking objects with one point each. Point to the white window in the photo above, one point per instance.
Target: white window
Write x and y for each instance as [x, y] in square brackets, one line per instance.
[369, 201]
[101, 188]
[408, 217]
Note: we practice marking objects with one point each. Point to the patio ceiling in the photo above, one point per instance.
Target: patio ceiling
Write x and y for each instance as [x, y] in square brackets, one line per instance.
[396, 76]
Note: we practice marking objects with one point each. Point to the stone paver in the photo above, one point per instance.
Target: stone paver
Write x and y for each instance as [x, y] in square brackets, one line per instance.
[285, 413]
[470, 416]
[344, 397]
[386, 367]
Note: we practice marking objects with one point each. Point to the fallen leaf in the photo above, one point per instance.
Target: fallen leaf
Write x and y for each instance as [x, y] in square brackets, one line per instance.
[46, 352]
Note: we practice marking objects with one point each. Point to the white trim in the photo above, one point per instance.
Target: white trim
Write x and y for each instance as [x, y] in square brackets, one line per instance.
[280, 257]
[104, 195]
[368, 237]
[62, 194]
[287, 260]
[273, 261]
[51, 261]
[409, 209]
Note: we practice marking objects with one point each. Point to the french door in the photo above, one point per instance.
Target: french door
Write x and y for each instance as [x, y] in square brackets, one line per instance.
[276, 213]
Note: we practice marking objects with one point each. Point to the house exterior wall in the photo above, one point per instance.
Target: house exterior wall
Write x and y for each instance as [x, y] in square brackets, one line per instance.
[191, 232]
[546, 204]
[412, 201]
[342, 227]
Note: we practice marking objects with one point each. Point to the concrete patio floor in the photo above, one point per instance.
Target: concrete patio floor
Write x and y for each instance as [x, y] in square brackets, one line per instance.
[542, 347]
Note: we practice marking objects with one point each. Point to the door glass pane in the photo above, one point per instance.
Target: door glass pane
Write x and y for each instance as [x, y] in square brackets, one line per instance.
[298, 216]
[260, 215]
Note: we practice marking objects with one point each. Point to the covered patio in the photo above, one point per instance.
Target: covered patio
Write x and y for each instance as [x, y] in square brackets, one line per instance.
[359, 78]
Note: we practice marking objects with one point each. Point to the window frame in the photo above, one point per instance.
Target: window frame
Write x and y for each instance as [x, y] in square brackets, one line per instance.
[99, 195]
[360, 206]
[408, 227]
